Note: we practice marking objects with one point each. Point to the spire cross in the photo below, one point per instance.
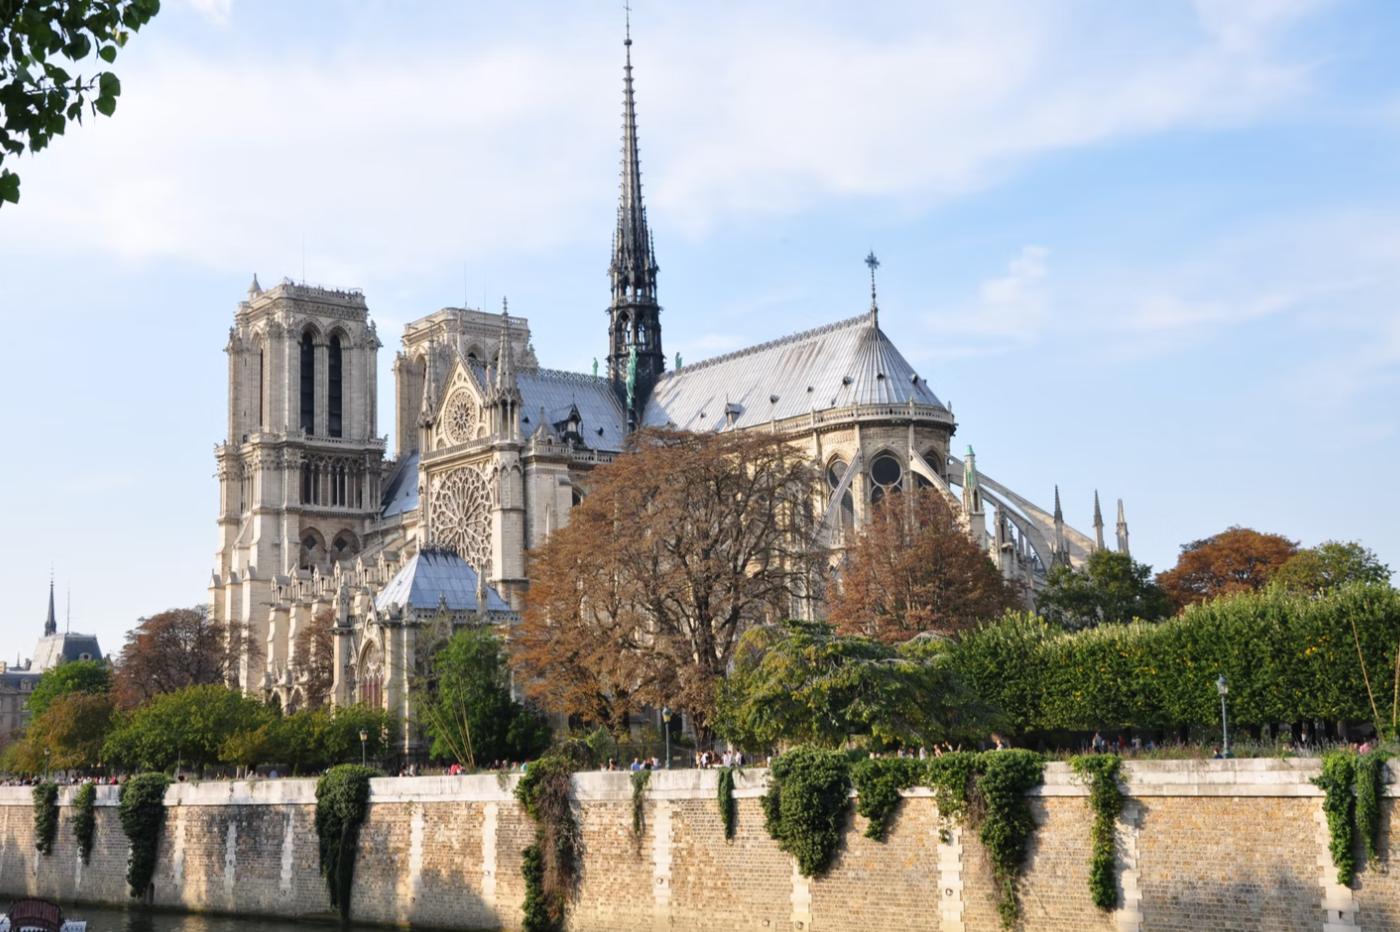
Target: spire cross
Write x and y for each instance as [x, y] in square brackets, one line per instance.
[872, 263]
[627, 11]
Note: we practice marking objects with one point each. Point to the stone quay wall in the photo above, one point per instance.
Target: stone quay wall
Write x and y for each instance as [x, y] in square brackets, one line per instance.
[1202, 845]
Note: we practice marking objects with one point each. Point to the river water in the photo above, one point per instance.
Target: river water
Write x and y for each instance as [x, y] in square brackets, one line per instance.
[141, 920]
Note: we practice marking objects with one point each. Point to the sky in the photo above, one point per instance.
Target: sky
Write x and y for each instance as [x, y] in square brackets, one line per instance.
[1147, 249]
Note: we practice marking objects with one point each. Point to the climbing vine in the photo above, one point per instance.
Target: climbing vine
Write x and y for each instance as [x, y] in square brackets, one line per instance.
[1007, 824]
[1106, 801]
[45, 817]
[640, 780]
[728, 809]
[142, 811]
[1370, 777]
[805, 807]
[878, 781]
[342, 801]
[952, 778]
[84, 819]
[1337, 780]
[549, 866]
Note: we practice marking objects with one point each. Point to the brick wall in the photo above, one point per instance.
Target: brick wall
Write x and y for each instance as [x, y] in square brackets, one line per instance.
[1217, 845]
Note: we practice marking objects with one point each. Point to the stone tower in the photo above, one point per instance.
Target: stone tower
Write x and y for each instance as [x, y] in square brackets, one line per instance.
[301, 467]
[635, 357]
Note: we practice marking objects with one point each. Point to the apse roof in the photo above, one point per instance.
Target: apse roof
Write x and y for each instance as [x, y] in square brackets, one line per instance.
[401, 491]
[850, 362]
[431, 577]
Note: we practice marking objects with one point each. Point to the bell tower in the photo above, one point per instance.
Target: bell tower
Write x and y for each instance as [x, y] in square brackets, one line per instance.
[635, 357]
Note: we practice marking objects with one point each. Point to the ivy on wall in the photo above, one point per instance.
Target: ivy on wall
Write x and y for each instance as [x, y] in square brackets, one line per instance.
[1370, 779]
[728, 809]
[878, 781]
[1007, 824]
[45, 817]
[640, 780]
[1106, 802]
[84, 819]
[142, 811]
[1352, 786]
[342, 801]
[805, 807]
[550, 865]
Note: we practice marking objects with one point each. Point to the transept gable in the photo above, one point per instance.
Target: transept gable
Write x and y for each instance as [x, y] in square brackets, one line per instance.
[460, 416]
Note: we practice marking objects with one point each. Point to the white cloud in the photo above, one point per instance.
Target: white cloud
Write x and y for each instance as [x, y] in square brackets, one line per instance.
[390, 159]
[216, 11]
[1009, 311]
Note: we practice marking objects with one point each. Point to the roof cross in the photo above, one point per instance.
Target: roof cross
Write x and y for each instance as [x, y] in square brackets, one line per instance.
[873, 263]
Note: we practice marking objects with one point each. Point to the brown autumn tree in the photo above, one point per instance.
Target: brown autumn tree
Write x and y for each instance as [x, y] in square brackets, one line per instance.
[177, 648]
[1238, 559]
[912, 570]
[680, 545]
[313, 657]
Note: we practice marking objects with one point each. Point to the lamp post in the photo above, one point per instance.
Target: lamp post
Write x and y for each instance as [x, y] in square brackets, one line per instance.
[364, 736]
[46, 764]
[666, 727]
[1223, 688]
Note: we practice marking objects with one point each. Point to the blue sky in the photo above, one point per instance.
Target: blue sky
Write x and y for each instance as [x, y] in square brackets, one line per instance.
[1149, 249]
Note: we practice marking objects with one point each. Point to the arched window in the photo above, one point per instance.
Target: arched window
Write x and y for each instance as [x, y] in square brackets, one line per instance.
[333, 387]
[308, 382]
[886, 476]
[262, 383]
[835, 472]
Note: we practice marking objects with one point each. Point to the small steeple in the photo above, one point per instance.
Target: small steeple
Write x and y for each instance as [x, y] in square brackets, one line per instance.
[972, 494]
[254, 289]
[505, 355]
[1122, 529]
[51, 622]
[873, 263]
[1060, 557]
[1098, 523]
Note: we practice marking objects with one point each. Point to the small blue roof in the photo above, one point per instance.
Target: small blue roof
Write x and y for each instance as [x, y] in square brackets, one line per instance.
[432, 576]
[401, 491]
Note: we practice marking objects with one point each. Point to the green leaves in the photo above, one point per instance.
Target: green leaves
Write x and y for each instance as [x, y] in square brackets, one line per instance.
[45, 817]
[1106, 801]
[84, 819]
[37, 96]
[805, 807]
[1339, 804]
[142, 811]
[342, 801]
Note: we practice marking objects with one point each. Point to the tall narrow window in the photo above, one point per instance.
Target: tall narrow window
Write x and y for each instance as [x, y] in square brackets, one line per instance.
[262, 381]
[308, 383]
[333, 387]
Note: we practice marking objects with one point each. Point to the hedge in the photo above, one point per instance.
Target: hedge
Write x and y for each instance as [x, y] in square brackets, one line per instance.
[1287, 658]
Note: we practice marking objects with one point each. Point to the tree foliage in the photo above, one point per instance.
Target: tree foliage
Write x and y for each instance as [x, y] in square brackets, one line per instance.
[678, 548]
[1238, 559]
[342, 801]
[190, 725]
[1111, 588]
[73, 729]
[177, 648]
[1330, 565]
[466, 706]
[1288, 658]
[914, 570]
[91, 677]
[142, 811]
[41, 42]
[806, 805]
[801, 683]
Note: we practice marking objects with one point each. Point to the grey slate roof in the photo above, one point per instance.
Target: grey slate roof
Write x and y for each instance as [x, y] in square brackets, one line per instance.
[55, 649]
[850, 362]
[401, 491]
[431, 576]
[557, 392]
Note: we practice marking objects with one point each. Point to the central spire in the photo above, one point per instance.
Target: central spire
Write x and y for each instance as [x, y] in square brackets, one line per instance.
[51, 622]
[634, 351]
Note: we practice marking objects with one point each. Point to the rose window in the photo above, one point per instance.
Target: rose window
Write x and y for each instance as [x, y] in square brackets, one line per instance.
[459, 422]
[461, 513]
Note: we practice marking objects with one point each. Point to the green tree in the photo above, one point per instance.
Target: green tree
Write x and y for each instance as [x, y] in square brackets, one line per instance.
[1111, 588]
[801, 683]
[73, 729]
[1329, 565]
[1238, 559]
[91, 677]
[190, 725]
[467, 708]
[40, 41]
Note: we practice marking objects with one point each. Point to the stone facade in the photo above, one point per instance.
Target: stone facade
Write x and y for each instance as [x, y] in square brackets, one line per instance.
[1203, 845]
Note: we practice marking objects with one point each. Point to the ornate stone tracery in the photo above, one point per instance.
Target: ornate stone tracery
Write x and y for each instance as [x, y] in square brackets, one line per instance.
[460, 419]
[460, 503]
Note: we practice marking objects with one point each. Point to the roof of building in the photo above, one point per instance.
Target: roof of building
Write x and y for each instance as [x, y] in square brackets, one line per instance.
[55, 649]
[432, 577]
[603, 423]
[401, 491]
[850, 362]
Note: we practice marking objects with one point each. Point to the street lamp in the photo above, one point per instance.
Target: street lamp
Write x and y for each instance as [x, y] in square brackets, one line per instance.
[46, 765]
[1223, 687]
[666, 720]
[364, 736]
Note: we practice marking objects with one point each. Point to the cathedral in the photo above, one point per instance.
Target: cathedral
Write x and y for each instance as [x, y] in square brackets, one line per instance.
[318, 520]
